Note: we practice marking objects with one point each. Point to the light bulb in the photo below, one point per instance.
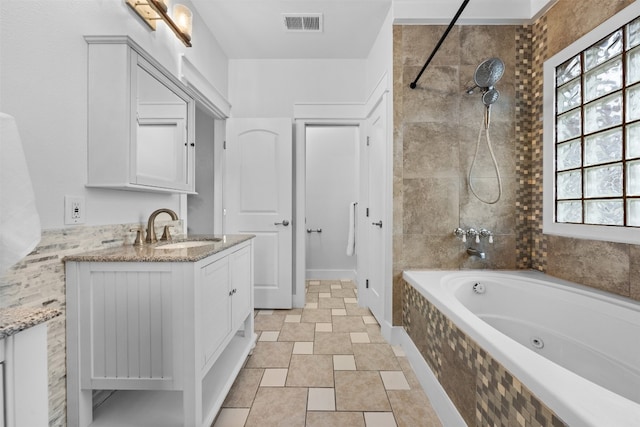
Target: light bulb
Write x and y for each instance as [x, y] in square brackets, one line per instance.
[183, 18]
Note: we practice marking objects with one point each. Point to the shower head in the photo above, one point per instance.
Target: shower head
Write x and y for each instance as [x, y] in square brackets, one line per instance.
[490, 96]
[488, 73]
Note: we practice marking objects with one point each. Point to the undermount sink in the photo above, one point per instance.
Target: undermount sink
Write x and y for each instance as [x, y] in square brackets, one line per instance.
[188, 244]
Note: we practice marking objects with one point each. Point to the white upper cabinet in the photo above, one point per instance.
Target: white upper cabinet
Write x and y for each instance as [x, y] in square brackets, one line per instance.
[140, 121]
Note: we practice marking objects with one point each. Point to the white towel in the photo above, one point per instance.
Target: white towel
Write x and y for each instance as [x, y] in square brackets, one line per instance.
[19, 220]
[351, 238]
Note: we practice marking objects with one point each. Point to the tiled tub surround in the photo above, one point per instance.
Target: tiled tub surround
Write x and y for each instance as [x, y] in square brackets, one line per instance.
[39, 279]
[464, 352]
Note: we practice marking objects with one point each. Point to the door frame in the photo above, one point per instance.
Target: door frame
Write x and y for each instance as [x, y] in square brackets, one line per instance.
[344, 114]
[299, 190]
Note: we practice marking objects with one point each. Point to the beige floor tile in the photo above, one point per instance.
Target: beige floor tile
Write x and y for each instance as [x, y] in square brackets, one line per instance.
[348, 284]
[277, 407]
[321, 399]
[271, 322]
[315, 315]
[274, 377]
[310, 370]
[348, 324]
[332, 343]
[409, 374]
[330, 302]
[335, 419]
[413, 409]
[324, 295]
[375, 335]
[375, 357]
[314, 282]
[394, 380]
[244, 389]
[360, 391]
[231, 417]
[265, 312]
[324, 327]
[336, 286]
[311, 305]
[356, 310]
[350, 301]
[312, 298]
[343, 293]
[359, 337]
[379, 419]
[303, 347]
[292, 318]
[338, 312]
[398, 351]
[270, 355]
[269, 336]
[369, 320]
[344, 362]
[297, 332]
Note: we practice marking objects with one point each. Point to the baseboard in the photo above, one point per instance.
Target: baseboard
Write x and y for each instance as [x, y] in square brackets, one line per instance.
[444, 407]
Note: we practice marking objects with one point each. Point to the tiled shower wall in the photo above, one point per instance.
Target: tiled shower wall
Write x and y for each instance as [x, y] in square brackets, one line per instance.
[40, 279]
[436, 127]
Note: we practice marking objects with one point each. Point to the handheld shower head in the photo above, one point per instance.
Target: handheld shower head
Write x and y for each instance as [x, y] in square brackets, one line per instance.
[490, 96]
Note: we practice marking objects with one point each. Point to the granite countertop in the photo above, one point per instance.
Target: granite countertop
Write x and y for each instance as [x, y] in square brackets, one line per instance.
[154, 252]
[16, 319]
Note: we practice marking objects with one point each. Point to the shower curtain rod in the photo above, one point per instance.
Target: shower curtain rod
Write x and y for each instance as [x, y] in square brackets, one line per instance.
[435, 49]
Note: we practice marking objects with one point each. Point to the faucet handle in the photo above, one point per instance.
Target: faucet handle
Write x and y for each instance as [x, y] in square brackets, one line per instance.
[459, 232]
[166, 234]
[472, 232]
[486, 233]
[138, 241]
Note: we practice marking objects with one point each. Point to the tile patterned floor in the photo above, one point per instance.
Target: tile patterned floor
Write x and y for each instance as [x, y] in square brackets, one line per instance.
[326, 365]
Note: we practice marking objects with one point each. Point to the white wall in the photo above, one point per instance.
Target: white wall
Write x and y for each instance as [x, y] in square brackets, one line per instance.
[43, 84]
[270, 87]
[331, 186]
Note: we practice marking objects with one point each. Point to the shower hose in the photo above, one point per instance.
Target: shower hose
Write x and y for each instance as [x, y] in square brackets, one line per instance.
[485, 127]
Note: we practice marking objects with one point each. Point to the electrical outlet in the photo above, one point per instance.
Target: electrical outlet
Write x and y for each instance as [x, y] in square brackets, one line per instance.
[73, 210]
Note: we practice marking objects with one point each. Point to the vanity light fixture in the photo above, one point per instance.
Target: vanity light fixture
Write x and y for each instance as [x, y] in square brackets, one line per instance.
[153, 10]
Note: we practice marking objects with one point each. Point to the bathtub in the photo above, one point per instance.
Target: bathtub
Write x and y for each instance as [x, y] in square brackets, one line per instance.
[575, 348]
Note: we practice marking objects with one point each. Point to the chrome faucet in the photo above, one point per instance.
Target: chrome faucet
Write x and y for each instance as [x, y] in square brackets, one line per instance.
[476, 252]
[151, 232]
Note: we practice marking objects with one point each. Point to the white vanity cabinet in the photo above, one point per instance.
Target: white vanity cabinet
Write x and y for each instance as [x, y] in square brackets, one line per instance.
[170, 336]
[140, 121]
[24, 397]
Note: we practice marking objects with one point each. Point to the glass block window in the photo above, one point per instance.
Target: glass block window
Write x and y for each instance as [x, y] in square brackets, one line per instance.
[597, 132]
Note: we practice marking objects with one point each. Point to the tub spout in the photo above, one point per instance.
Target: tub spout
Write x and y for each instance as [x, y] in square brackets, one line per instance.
[476, 252]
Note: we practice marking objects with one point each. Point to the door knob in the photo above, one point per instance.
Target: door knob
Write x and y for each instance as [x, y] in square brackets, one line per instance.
[379, 223]
[284, 222]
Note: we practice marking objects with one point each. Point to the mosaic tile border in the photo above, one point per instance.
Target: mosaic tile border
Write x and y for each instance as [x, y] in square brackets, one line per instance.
[499, 398]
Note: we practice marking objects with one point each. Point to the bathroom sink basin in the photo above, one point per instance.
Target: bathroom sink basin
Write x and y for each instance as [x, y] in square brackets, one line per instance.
[187, 244]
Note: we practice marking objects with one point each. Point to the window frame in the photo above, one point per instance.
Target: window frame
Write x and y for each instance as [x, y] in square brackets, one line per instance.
[612, 233]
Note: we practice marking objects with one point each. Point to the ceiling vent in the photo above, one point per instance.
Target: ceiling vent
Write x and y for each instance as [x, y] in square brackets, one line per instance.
[299, 22]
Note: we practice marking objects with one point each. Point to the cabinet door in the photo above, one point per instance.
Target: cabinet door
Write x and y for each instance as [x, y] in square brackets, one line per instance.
[241, 285]
[161, 146]
[215, 306]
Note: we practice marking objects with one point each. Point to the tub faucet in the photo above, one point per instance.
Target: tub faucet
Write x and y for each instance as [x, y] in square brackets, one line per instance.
[476, 252]
[151, 232]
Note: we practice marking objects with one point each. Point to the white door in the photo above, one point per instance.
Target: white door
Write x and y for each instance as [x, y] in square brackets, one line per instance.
[258, 200]
[375, 226]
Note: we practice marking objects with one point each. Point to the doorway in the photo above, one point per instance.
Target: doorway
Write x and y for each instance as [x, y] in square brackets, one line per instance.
[331, 189]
